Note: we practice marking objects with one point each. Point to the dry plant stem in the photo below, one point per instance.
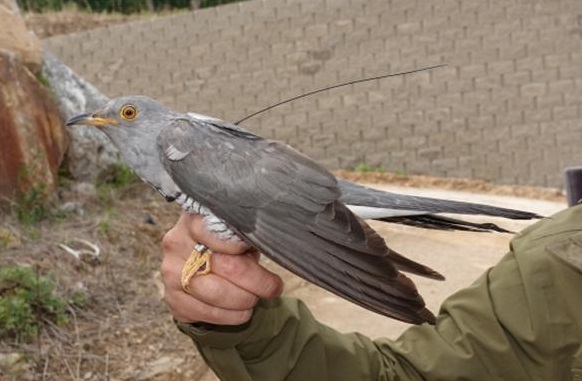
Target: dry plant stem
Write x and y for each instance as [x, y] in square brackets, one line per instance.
[78, 339]
[106, 366]
[45, 367]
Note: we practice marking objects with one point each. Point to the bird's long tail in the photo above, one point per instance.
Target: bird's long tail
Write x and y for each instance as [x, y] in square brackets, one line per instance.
[432, 221]
[420, 211]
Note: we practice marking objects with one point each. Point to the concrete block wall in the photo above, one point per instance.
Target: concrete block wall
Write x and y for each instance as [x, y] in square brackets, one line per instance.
[507, 108]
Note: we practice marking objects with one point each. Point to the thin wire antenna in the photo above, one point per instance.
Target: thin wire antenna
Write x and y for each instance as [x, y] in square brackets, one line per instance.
[336, 86]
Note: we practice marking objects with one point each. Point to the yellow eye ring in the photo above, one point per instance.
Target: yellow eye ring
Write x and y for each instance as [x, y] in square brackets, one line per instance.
[128, 112]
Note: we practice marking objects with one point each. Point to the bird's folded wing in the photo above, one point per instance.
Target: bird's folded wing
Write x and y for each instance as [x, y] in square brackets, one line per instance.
[287, 206]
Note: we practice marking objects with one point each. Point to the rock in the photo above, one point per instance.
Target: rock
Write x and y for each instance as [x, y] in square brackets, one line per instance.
[84, 190]
[13, 365]
[91, 155]
[72, 207]
[32, 138]
[162, 365]
[15, 39]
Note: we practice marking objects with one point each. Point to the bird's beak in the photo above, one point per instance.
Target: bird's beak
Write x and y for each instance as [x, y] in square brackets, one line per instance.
[91, 120]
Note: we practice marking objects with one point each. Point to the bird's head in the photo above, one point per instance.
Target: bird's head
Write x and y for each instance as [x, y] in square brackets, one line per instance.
[133, 124]
[126, 116]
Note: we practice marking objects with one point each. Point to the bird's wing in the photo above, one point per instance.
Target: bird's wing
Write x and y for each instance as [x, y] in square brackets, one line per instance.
[368, 203]
[287, 206]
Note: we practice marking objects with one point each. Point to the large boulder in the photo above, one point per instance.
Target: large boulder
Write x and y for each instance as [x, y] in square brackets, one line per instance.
[32, 138]
[90, 155]
[15, 39]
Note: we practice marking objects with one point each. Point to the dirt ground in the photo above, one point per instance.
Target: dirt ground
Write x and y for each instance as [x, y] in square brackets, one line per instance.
[124, 331]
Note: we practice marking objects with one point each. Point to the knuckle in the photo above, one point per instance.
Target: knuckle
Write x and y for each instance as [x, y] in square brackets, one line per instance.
[171, 241]
[242, 317]
[209, 290]
[232, 266]
[170, 302]
[210, 314]
[218, 316]
[272, 285]
[167, 271]
[250, 301]
[233, 248]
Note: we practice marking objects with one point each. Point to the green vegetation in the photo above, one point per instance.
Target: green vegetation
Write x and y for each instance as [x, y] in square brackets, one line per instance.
[30, 206]
[365, 168]
[30, 202]
[121, 175]
[119, 6]
[27, 301]
[105, 224]
[43, 81]
[5, 239]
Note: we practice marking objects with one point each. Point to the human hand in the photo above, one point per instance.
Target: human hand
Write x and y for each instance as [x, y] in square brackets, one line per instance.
[225, 296]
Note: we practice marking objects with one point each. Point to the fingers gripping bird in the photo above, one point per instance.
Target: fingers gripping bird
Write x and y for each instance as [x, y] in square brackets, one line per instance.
[281, 202]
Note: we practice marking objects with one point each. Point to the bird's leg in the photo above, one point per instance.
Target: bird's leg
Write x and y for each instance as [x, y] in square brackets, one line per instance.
[198, 263]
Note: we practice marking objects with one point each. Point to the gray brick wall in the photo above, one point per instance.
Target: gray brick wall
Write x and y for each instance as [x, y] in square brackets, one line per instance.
[507, 108]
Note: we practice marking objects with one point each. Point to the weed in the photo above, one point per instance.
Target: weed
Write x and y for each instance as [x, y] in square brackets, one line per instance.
[30, 206]
[27, 300]
[5, 239]
[121, 175]
[104, 225]
[78, 299]
[400, 172]
[43, 81]
[365, 168]
[63, 178]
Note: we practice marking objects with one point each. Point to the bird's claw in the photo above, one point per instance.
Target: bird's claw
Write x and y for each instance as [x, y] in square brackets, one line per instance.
[198, 263]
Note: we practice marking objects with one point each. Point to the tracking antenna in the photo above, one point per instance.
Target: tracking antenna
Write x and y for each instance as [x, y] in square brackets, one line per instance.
[335, 87]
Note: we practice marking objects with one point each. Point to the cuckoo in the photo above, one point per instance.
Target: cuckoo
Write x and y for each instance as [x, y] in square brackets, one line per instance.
[280, 202]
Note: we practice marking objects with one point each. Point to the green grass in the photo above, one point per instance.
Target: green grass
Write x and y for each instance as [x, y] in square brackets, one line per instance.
[119, 176]
[30, 207]
[365, 168]
[27, 301]
[43, 81]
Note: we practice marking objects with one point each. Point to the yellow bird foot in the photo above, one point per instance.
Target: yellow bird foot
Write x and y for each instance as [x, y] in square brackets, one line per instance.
[198, 263]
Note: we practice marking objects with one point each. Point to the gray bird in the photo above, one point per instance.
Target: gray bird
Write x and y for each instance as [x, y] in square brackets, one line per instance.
[281, 202]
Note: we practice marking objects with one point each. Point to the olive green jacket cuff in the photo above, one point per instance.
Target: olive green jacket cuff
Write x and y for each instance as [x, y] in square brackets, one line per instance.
[284, 341]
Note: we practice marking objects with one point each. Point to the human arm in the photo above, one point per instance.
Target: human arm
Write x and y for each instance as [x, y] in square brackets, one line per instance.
[519, 321]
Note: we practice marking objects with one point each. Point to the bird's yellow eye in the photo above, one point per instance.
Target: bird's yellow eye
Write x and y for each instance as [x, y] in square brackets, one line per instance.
[128, 112]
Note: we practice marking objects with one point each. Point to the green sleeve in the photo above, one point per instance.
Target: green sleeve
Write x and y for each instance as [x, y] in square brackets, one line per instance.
[284, 342]
[521, 320]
